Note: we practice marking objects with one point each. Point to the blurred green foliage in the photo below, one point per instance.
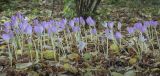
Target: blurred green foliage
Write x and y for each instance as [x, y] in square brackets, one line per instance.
[69, 9]
[40, 7]
[134, 3]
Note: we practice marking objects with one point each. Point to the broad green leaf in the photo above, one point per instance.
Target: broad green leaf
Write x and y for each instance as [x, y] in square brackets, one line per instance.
[70, 68]
[133, 60]
[87, 56]
[114, 48]
[130, 73]
[23, 65]
[49, 54]
[116, 74]
[73, 56]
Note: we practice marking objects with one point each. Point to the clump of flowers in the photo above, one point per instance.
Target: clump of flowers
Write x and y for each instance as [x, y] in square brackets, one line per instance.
[62, 35]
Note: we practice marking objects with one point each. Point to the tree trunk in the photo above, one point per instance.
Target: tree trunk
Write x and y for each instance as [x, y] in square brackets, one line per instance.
[86, 8]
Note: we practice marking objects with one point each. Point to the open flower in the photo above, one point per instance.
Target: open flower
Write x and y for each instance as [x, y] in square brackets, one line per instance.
[82, 21]
[138, 26]
[64, 21]
[118, 35]
[61, 25]
[76, 29]
[7, 25]
[23, 25]
[28, 30]
[13, 21]
[76, 20]
[38, 29]
[143, 29]
[109, 34]
[71, 23]
[130, 30]
[146, 23]
[20, 16]
[93, 31]
[153, 23]
[90, 21]
[7, 37]
[45, 24]
[54, 29]
[35, 22]
[111, 24]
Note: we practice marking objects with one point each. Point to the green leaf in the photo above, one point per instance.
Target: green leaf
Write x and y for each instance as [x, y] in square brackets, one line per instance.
[116, 74]
[88, 73]
[23, 65]
[73, 56]
[33, 73]
[70, 68]
[87, 56]
[114, 48]
[49, 54]
[130, 73]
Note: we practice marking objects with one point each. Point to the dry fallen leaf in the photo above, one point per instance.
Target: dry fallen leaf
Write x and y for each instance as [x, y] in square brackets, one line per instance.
[70, 68]
[18, 52]
[49, 54]
[74, 57]
[114, 48]
[132, 60]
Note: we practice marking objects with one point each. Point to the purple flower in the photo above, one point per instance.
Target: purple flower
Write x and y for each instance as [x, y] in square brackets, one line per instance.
[38, 29]
[7, 25]
[54, 29]
[64, 21]
[51, 22]
[23, 25]
[111, 24]
[45, 24]
[130, 30]
[81, 45]
[13, 20]
[7, 37]
[146, 23]
[7, 30]
[60, 25]
[138, 26]
[82, 21]
[28, 30]
[93, 31]
[76, 20]
[20, 16]
[119, 25]
[71, 23]
[153, 23]
[90, 21]
[35, 22]
[143, 29]
[109, 34]
[118, 35]
[76, 29]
